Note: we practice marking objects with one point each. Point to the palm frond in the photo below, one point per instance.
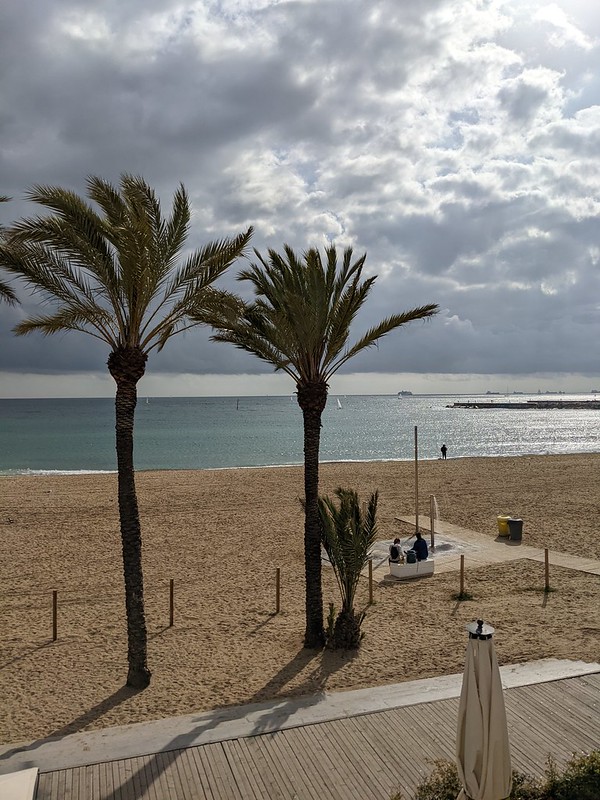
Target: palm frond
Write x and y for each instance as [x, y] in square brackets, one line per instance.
[116, 267]
[304, 310]
[66, 319]
[7, 294]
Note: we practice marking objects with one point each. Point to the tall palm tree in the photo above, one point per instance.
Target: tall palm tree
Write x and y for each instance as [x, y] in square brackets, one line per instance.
[6, 292]
[118, 276]
[300, 323]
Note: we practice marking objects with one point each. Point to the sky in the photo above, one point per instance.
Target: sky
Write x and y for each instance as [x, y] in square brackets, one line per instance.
[456, 142]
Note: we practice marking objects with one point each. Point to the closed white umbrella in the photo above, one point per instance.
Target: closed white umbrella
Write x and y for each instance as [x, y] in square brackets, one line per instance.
[482, 748]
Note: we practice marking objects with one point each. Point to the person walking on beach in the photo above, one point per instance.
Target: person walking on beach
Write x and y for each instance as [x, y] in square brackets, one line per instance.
[444, 450]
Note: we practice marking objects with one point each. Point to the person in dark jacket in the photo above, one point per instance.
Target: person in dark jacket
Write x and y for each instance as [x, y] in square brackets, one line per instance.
[420, 547]
[444, 450]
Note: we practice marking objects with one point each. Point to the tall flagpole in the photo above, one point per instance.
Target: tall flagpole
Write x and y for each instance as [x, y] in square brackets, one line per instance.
[416, 482]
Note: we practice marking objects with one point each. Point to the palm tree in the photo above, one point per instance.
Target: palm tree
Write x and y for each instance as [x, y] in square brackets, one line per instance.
[6, 292]
[300, 323]
[117, 276]
[348, 533]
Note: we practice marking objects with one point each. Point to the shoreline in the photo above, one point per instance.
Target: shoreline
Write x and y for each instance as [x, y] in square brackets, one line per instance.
[61, 532]
[26, 472]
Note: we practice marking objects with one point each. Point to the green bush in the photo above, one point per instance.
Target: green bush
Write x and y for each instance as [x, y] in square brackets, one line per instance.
[442, 783]
[580, 780]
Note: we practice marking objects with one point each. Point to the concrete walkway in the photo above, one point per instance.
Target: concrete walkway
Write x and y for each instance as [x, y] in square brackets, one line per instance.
[481, 550]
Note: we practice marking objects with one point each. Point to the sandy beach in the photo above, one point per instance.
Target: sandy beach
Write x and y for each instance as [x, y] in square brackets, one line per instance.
[227, 646]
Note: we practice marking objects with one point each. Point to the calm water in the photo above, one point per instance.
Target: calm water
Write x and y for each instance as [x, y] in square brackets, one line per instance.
[200, 433]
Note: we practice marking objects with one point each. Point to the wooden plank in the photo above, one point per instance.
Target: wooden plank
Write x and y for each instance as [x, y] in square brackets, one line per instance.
[242, 782]
[188, 786]
[545, 705]
[577, 705]
[277, 770]
[137, 783]
[264, 767]
[240, 755]
[165, 771]
[586, 692]
[377, 728]
[212, 772]
[95, 782]
[44, 786]
[435, 727]
[116, 778]
[73, 784]
[88, 784]
[313, 746]
[226, 783]
[300, 767]
[219, 780]
[151, 772]
[54, 786]
[364, 752]
[122, 774]
[296, 765]
[199, 760]
[61, 783]
[530, 733]
[189, 779]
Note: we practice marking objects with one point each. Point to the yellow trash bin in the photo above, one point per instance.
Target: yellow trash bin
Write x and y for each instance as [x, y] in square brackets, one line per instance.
[503, 529]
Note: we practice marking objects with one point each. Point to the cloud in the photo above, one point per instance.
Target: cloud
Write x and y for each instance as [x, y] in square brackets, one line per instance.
[456, 141]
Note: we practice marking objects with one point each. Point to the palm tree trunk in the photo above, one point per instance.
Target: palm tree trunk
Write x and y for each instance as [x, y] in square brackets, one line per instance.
[127, 366]
[312, 400]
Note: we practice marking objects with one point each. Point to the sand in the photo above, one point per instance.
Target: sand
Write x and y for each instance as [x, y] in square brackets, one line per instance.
[227, 647]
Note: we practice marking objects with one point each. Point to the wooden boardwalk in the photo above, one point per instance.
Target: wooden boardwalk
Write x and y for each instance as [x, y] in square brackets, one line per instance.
[367, 757]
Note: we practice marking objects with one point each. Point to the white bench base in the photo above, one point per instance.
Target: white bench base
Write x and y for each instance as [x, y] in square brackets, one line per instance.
[421, 569]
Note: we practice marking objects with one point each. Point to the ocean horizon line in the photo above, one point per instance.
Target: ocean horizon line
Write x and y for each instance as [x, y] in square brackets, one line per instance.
[143, 396]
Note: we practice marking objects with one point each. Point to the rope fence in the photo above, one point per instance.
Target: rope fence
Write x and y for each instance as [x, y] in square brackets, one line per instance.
[62, 598]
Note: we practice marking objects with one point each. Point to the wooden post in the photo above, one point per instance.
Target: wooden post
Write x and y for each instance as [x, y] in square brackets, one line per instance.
[278, 590]
[416, 482]
[54, 615]
[432, 520]
[370, 581]
[462, 575]
[171, 585]
[546, 570]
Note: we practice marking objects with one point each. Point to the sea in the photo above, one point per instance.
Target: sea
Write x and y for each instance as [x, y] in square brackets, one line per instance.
[69, 436]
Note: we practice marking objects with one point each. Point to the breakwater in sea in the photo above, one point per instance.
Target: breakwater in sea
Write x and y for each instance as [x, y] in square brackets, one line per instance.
[530, 404]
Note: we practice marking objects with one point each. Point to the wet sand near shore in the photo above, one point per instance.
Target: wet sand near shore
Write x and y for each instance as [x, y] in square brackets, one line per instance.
[227, 646]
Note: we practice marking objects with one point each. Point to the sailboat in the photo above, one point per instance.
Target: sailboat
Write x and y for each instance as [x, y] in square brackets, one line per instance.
[339, 405]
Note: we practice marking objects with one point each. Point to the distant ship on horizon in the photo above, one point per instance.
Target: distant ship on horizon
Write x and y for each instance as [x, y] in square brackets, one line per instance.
[404, 393]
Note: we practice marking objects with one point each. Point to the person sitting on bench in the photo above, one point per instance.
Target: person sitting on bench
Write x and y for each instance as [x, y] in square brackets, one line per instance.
[420, 547]
[395, 552]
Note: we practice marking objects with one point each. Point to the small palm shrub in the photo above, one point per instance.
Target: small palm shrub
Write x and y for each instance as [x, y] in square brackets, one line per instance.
[347, 534]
